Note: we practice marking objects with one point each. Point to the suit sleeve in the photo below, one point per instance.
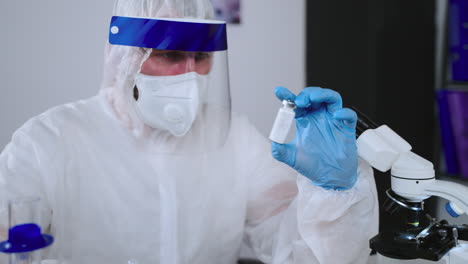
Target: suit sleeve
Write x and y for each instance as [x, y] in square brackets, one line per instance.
[290, 220]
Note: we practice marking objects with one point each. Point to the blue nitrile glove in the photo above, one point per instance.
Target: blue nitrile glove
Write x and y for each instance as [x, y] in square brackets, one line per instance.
[324, 148]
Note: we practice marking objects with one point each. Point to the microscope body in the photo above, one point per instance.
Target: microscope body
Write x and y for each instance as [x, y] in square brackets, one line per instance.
[412, 181]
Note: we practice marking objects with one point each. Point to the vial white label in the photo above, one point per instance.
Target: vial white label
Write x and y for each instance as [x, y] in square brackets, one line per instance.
[282, 125]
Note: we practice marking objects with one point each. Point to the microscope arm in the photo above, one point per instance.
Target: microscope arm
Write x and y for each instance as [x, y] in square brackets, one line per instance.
[456, 193]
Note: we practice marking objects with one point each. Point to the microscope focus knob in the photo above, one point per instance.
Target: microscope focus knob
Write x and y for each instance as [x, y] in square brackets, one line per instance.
[453, 210]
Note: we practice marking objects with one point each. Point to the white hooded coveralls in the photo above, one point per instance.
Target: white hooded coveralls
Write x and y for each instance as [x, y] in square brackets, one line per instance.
[114, 198]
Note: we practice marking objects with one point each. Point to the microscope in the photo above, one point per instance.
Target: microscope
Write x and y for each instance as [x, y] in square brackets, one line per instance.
[413, 180]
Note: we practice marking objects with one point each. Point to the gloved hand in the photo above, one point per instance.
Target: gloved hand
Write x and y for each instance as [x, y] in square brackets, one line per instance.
[324, 148]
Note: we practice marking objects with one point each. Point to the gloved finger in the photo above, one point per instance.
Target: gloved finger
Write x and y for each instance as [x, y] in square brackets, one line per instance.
[315, 97]
[284, 152]
[284, 94]
[348, 116]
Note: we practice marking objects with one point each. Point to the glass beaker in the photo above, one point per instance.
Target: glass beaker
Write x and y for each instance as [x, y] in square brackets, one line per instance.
[24, 236]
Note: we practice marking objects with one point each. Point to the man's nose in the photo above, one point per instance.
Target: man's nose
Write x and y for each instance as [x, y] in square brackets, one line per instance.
[190, 64]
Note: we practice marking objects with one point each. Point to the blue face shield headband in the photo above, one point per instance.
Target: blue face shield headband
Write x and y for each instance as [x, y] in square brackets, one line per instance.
[168, 34]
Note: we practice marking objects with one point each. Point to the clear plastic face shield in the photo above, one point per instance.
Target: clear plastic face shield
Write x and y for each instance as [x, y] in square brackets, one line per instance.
[181, 91]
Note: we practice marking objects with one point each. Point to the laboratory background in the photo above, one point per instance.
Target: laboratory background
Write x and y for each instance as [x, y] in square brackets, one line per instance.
[402, 63]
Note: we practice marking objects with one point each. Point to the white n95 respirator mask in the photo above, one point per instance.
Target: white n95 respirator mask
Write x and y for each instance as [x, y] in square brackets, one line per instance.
[170, 102]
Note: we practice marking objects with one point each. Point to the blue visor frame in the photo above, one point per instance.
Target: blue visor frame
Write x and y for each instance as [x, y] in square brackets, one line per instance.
[170, 34]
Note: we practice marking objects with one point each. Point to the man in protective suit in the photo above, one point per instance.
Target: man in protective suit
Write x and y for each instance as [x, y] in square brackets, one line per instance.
[156, 168]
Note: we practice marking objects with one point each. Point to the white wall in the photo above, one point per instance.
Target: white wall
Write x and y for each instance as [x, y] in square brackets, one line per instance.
[265, 51]
[51, 53]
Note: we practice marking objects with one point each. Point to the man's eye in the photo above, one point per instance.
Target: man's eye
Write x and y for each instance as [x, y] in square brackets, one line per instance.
[172, 55]
[200, 56]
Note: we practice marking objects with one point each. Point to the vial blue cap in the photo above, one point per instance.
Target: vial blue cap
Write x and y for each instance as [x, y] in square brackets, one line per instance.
[25, 238]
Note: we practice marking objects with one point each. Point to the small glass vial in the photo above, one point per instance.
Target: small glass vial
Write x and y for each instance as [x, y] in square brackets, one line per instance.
[283, 122]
